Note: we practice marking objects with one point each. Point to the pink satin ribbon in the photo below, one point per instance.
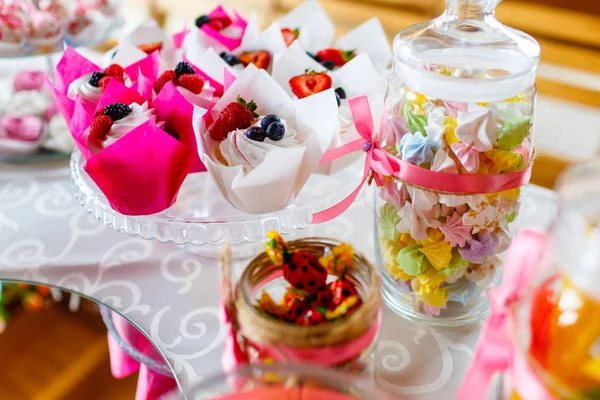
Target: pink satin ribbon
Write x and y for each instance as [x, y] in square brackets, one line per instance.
[323, 356]
[496, 351]
[383, 164]
[151, 384]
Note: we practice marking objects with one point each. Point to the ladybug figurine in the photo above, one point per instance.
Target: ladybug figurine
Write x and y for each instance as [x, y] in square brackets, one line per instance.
[311, 317]
[323, 298]
[304, 272]
[340, 290]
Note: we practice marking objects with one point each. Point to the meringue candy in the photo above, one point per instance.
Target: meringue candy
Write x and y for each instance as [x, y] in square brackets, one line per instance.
[455, 232]
[415, 149]
[442, 162]
[416, 221]
[467, 155]
[477, 128]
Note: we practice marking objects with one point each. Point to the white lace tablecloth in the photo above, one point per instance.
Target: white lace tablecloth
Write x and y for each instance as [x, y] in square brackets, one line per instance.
[172, 294]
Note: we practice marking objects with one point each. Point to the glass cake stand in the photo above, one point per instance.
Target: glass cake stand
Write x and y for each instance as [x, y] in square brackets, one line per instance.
[201, 216]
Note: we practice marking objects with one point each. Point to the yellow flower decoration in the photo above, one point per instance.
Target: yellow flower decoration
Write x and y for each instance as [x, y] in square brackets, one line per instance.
[505, 160]
[342, 309]
[434, 236]
[438, 254]
[290, 296]
[339, 260]
[483, 103]
[276, 248]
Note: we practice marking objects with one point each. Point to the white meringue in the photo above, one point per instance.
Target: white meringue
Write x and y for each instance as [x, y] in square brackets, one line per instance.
[442, 162]
[477, 129]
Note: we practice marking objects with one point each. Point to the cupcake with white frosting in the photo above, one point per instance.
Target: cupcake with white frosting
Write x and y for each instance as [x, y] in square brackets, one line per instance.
[91, 86]
[115, 121]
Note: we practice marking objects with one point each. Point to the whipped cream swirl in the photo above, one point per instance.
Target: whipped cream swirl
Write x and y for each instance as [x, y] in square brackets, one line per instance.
[83, 87]
[139, 114]
[238, 149]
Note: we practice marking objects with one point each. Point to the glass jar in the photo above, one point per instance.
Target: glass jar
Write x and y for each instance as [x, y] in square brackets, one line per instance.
[459, 107]
[347, 344]
[557, 326]
[286, 381]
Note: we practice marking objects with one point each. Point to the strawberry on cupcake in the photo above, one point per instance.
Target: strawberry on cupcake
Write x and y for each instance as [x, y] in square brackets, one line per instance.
[91, 86]
[191, 85]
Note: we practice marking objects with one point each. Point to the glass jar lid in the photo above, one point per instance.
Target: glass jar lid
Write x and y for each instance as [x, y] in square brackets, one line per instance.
[466, 55]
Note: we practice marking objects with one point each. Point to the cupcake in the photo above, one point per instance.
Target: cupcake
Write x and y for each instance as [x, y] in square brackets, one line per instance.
[115, 121]
[192, 86]
[91, 86]
[249, 139]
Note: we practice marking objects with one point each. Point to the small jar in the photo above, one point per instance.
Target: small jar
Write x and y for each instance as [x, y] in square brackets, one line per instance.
[285, 381]
[459, 110]
[557, 325]
[346, 344]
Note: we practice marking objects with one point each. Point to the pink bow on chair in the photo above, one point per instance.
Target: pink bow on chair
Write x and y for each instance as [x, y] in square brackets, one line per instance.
[378, 160]
[495, 351]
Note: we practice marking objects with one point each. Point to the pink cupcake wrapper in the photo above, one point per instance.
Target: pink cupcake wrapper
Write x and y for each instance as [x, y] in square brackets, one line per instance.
[151, 164]
[236, 21]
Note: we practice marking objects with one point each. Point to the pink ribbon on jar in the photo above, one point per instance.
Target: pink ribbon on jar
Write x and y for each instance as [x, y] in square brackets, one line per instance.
[496, 350]
[382, 164]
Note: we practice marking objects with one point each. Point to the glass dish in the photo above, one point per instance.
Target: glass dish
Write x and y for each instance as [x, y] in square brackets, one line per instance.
[134, 342]
[201, 216]
[285, 381]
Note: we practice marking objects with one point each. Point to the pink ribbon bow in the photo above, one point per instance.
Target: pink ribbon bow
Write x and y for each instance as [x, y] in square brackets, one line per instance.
[495, 351]
[378, 160]
[383, 164]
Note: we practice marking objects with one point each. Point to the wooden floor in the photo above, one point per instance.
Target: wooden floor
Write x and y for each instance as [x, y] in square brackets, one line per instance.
[58, 355]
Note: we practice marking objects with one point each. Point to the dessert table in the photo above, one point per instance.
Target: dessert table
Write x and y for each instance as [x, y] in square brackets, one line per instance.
[172, 293]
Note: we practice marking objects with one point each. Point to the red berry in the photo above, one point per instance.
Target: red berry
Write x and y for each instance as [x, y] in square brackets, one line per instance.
[311, 317]
[100, 112]
[289, 36]
[193, 83]
[167, 76]
[219, 23]
[323, 298]
[341, 290]
[261, 59]
[310, 83]
[104, 82]
[304, 272]
[100, 127]
[337, 56]
[114, 70]
[236, 115]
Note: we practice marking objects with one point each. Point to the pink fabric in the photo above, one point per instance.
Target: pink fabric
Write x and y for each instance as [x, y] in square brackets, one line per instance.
[151, 385]
[237, 21]
[383, 164]
[495, 351]
[179, 37]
